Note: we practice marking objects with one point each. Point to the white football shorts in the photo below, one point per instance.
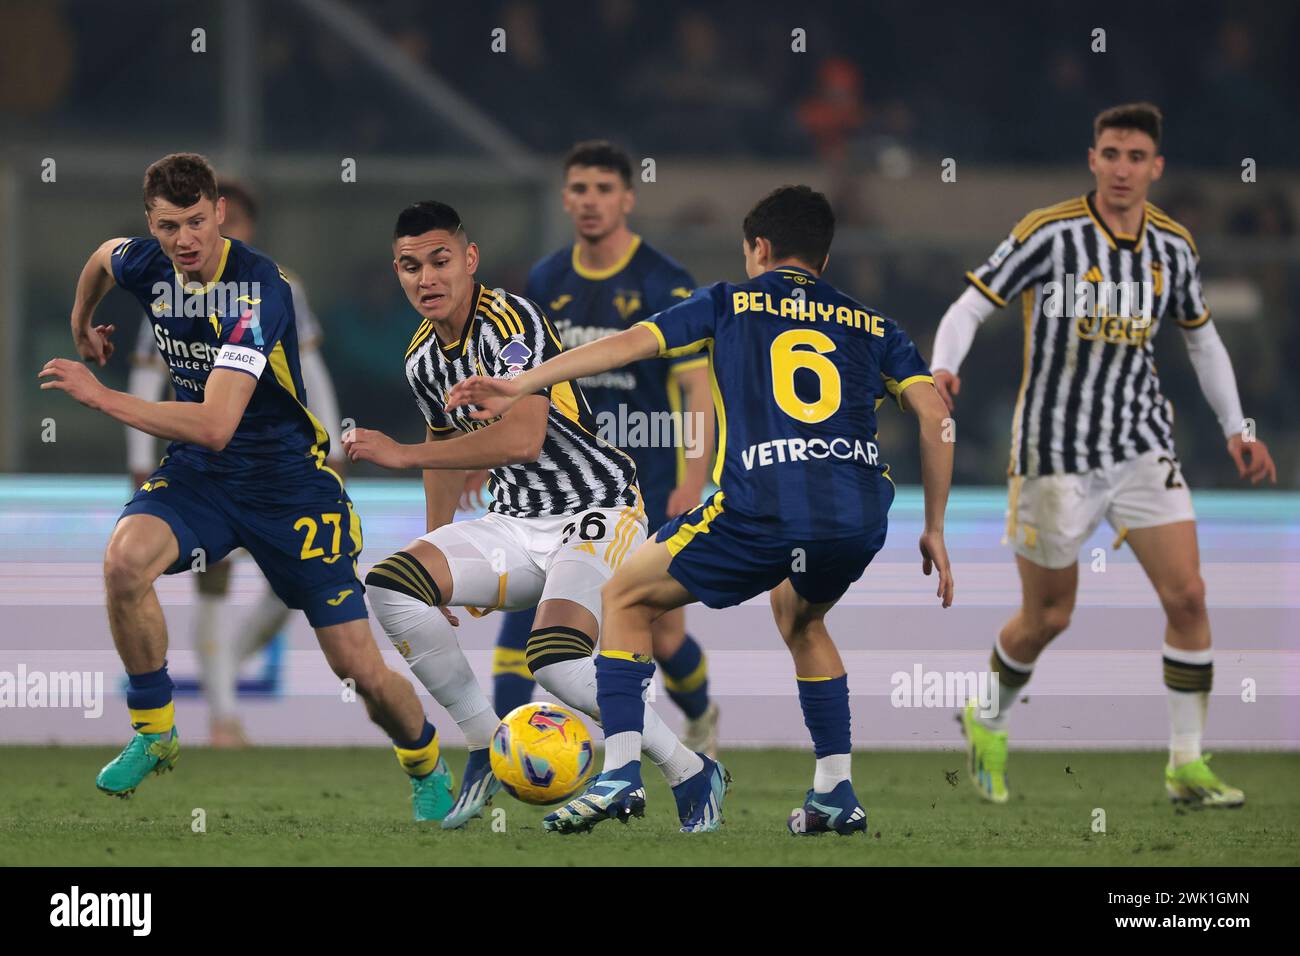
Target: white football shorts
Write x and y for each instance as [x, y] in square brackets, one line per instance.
[503, 562]
[1051, 516]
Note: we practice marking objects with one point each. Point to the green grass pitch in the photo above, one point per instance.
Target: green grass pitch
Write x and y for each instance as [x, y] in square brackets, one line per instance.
[301, 806]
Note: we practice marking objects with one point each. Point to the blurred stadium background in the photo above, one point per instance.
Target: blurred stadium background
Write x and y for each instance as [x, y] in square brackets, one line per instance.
[413, 92]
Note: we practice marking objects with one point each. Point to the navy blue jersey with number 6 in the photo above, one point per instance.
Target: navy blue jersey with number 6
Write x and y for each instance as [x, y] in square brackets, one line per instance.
[798, 371]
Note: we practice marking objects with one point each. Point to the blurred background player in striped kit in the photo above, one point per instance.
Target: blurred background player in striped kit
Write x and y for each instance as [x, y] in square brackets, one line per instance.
[220, 655]
[607, 281]
[1092, 433]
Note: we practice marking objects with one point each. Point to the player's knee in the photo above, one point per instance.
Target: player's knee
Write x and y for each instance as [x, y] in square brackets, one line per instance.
[1052, 620]
[1184, 602]
[401, 592]
[792, 615]
[127, 569]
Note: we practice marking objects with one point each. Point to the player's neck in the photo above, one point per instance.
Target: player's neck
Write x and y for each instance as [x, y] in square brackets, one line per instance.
[451, 329]
[605, 251]
[1121, 222]
[792, 263]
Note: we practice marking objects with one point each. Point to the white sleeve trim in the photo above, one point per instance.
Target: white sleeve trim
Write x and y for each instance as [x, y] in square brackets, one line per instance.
[957, 329]
[1214, 373]
[241, 357]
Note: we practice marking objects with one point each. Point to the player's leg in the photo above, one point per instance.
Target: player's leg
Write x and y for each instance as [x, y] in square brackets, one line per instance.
[218, 656]
[658, 577]
[686, 679]
[612, 689]
[827, 568]
[166, 525]
[1048, 519]
[1046, 603]
[409, 591]
[831, 804]
[512, 681]
[1171, 559]
[260, 626]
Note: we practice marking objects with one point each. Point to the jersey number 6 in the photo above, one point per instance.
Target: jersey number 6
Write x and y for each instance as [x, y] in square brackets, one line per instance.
[788, 358]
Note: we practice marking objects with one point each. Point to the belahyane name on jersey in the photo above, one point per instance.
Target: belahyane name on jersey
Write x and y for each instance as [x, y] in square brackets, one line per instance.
[801, 309]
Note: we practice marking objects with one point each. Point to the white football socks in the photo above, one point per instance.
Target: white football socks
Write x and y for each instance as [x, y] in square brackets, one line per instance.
[218, 657]
[267, 618]
[831, 770]
[1008, 693]
[1187, 710]
[574, 682]
[427, 641]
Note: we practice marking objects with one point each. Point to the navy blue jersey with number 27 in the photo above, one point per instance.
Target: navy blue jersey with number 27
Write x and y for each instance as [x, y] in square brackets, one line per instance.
[799, 369]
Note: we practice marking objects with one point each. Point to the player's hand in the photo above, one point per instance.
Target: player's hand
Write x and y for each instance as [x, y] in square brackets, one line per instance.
[473, 496]
[934, 554]
[683, 499]
[1260, 464]
[493, 396]
[366, 444]
[451, 618]
[75, 379]
[947, 385]
[94, 344]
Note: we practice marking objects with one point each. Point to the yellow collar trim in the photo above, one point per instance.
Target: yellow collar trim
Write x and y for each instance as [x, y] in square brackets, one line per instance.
[613, 270]
[221, 270]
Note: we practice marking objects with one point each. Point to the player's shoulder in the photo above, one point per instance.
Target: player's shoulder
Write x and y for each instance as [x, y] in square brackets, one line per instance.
[1057, 214]
[550, 267]
[1164, 223]
[255, 265]
[139, 253]
[508, 314]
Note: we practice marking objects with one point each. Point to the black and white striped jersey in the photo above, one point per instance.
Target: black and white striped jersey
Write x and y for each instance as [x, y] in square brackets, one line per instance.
[1092, 301]
[505, 336]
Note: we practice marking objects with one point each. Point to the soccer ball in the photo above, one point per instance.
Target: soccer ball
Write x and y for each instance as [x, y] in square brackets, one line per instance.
[542, 753]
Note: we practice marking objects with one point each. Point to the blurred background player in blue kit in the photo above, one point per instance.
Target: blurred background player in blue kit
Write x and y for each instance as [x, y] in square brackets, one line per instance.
[607, 281]
[220, 655]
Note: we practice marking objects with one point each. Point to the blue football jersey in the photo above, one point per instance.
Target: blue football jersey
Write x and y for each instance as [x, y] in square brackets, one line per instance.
[585, 305]
[243, 320]
[799, 369]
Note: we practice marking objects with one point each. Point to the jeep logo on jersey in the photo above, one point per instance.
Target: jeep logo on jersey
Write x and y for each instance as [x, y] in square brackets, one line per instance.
[516, 355]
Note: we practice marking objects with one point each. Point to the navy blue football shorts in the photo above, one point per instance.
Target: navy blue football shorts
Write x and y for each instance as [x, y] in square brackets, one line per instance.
[299, 526]
[723, 564]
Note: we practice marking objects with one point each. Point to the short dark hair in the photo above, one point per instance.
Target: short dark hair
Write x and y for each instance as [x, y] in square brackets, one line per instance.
[602, 154]
[1145, 117]
[232, 191]
[181, 179]
[426, 216]
[797, 220]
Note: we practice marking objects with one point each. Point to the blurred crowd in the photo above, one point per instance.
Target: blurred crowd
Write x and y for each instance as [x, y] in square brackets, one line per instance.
[864, 90]
[876, 83]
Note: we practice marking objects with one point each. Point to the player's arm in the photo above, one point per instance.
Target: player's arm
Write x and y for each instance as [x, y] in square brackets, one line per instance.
[1218, 383]
[495, 396]
[516, 438]
[96, 279]
[210, 423]
[953, 340]
[697, 404]
[931, 411]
